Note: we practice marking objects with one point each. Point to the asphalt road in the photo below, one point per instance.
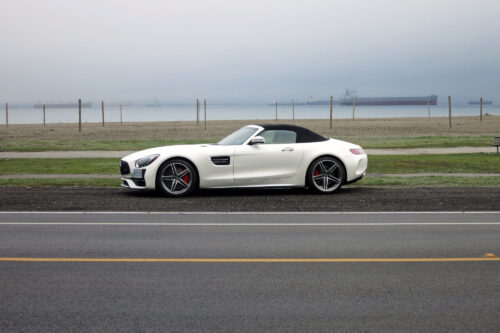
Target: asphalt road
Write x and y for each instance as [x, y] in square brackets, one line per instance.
[457, 291]
[350, 198]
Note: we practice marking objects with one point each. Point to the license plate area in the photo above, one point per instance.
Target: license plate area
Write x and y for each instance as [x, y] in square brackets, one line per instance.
[138, 173]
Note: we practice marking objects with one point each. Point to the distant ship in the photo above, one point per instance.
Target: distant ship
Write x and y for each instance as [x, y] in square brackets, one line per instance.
[62, 105]
[273, 103]
[314, 101]
[350, 97]
[477, 102]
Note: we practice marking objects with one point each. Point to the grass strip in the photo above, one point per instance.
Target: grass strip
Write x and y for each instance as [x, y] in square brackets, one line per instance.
[59, 166]
[445, 163]
[60, 182]
[429, 181]
[422, 142]
[85, 145]
[467, 163]
[380, 142]
[436, 181]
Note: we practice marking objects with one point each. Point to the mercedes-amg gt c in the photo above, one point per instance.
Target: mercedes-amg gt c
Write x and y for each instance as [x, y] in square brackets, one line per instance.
[253, 156]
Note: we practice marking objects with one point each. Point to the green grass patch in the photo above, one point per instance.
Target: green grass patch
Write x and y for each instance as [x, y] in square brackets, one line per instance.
[59, 165]
[365, 142]
[430, 181]
[422, 142]
[60, 182]
[83, 145]
[469, 163]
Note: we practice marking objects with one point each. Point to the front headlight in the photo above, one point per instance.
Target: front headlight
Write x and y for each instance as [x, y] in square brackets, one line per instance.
[145, 161]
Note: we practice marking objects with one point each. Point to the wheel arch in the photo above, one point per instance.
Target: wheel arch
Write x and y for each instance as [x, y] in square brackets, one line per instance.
[169, 158]
[342, 163]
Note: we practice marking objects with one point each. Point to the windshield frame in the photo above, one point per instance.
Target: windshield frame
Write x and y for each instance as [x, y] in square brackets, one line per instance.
[256, 129]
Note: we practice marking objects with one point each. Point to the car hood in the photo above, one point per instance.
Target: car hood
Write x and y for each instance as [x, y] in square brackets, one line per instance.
[166, 150]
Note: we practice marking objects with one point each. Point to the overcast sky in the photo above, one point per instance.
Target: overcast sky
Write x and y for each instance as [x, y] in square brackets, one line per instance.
[246, 51]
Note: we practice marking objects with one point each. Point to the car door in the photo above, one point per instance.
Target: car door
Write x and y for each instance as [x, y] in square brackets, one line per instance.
[215, 165]
[279, 157]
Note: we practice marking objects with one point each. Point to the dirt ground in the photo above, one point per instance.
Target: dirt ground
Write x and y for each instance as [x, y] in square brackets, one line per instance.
[461, 126]
[348, 199]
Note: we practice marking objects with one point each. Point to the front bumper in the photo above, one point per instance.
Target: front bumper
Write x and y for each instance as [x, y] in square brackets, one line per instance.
[132, 178]
[133, 183]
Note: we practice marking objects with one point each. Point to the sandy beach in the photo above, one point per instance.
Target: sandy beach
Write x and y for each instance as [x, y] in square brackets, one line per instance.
[189, 130]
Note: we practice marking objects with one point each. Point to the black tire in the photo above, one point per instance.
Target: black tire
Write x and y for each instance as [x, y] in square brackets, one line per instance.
[176, 178]
[325, 175]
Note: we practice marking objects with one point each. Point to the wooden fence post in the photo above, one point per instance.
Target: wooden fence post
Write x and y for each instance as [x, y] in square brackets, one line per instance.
[6, 114]
[44, 115]
[331, 111]
[197, 112]
[102, 109]
[79, 115]
[449, 110]
[481, 109]
[429, 108]
[353, 107]
[121, 117]
[205, 107]
[293, 111]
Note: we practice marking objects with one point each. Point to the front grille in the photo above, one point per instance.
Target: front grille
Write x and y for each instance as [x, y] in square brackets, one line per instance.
[124, 168]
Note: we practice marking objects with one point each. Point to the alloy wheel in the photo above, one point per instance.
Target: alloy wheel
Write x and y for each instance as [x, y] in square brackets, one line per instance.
[327, 175]
[176, 178]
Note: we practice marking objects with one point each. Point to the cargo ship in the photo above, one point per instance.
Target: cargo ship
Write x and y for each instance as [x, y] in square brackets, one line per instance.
[477, 102]
[62, 105]
[350, 97]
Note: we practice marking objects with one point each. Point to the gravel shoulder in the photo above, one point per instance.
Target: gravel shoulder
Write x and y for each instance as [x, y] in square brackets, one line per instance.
[349, 199]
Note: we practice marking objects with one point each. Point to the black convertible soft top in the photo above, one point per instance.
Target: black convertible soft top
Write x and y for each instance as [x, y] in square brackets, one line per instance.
[303, 134]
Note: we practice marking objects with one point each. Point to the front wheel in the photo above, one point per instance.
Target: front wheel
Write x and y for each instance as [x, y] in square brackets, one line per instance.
[326, 175]
[176, 178]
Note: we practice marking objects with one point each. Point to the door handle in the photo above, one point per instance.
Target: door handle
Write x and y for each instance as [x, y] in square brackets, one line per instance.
[287, 149]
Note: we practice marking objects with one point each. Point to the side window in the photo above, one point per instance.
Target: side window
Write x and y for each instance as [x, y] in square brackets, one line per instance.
[279, 136]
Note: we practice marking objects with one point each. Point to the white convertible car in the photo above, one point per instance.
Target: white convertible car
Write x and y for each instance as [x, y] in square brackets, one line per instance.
[253, 156]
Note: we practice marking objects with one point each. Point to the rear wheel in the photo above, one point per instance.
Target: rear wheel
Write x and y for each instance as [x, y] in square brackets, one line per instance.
[326, 175]
[176, 178]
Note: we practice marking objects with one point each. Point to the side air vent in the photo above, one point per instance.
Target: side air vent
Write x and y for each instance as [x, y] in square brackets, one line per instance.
[220, 160]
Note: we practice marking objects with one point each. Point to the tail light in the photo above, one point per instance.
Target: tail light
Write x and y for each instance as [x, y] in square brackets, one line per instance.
[357, 151]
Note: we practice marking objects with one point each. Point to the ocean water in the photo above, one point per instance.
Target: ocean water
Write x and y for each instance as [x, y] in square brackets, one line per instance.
[231, 112]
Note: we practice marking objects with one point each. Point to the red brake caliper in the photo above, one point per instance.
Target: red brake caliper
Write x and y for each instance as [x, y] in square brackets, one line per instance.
[186, 178]
[316, 173]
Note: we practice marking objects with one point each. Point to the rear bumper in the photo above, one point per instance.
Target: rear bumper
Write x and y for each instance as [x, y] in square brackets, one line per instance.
[356, 179]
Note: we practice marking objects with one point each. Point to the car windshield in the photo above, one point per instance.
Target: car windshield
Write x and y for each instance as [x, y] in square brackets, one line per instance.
[238, 137]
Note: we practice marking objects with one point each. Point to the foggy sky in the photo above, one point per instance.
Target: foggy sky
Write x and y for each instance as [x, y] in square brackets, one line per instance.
[246, 51]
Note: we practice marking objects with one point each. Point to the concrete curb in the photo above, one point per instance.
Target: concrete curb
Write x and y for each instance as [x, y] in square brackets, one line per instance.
[120, 154]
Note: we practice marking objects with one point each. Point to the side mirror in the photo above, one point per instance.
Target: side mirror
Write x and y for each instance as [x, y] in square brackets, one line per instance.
[258, 140]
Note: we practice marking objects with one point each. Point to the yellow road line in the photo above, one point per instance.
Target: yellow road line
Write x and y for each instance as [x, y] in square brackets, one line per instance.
[251, 260]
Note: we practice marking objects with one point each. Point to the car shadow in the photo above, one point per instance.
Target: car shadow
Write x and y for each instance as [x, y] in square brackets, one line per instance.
[240, 192]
